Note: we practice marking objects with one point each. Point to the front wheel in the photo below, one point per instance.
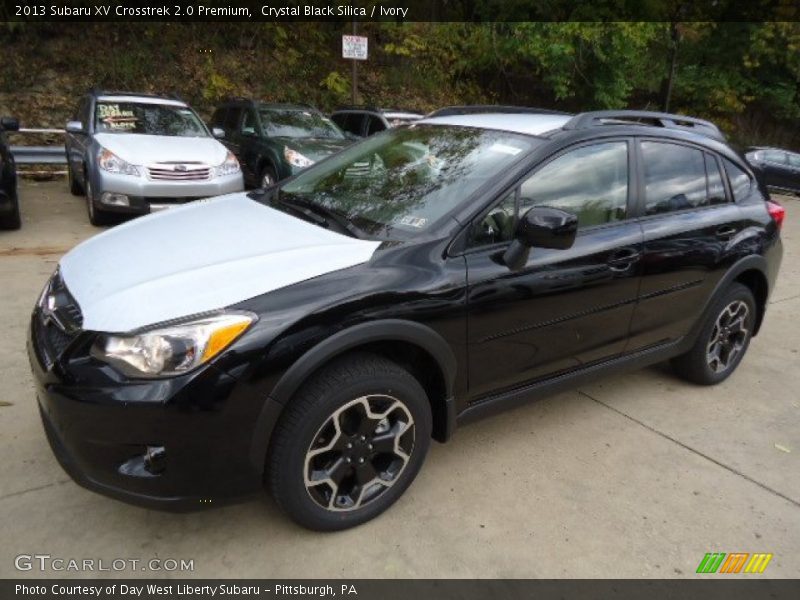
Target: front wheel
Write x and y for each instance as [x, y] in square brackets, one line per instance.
[723, 341]
[97, 216]
[350, 443]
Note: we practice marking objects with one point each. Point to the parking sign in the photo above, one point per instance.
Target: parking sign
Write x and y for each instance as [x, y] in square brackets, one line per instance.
[354, 46]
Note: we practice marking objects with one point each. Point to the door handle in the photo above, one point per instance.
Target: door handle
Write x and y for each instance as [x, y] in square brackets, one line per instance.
[622, 259]
[726, 232]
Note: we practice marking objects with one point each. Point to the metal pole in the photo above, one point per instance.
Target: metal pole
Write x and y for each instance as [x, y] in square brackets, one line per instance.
[355, 68]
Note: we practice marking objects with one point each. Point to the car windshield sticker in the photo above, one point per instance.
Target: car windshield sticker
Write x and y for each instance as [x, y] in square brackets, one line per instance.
[112, 117]
[505, 149]
[412, 221]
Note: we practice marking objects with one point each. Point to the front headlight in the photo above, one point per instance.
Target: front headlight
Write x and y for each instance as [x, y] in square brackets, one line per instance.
[229, 167]
[294, 158]
[108, 161]
[172, 350]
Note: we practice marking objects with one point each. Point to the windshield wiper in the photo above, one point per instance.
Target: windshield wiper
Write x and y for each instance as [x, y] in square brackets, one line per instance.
[322, 215]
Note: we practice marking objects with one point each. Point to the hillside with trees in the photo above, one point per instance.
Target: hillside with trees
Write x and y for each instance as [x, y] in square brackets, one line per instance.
[744, 76]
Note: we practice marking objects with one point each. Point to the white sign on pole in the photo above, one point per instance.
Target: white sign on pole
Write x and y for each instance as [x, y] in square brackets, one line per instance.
[354, 46]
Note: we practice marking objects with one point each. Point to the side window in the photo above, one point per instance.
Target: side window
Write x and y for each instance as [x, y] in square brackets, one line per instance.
[774, 156]
[740, 181]
[340, 119]
[232, 120]
[498, 225]
[375, 125]
[249, 122]
[218, 118]
[675, 177]
[590, 182]
[352, 122]
[716, 189]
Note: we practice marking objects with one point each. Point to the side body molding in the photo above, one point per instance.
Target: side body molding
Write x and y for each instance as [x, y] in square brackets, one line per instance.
[384, 330]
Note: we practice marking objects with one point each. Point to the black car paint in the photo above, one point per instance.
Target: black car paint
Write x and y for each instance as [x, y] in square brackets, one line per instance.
[479, 336]
[8, 170]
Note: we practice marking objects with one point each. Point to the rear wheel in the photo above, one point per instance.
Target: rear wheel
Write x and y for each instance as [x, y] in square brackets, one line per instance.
[350, 443]
[723, 341]
[14, 219]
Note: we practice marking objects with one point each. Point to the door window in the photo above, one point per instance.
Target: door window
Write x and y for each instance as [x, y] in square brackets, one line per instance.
[249, 124]
[590, 182]
[349, 122]
[218, 118]
[775, 156]
[675, 177]
[375, 125]
[232, 120]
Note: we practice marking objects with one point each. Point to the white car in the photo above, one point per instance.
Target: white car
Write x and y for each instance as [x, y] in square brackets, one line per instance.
[134, 154]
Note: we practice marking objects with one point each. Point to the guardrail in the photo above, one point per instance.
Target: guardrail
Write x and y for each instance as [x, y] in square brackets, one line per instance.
[39, 155]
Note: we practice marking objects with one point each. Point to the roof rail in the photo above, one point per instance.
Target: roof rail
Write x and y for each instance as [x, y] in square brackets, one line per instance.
[449, 111]
[667, 120]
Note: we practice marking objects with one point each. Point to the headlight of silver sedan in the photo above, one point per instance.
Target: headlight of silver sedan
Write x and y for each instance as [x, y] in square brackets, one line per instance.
[174, 349]
[229, 167]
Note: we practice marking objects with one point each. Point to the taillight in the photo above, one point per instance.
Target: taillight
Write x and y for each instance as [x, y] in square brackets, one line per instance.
[777, 212]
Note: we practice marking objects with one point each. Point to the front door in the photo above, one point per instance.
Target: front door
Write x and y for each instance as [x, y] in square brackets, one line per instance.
[565, 308]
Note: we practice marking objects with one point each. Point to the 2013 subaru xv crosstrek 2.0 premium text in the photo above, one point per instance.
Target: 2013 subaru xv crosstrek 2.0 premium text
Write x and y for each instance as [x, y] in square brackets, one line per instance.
[315, 335]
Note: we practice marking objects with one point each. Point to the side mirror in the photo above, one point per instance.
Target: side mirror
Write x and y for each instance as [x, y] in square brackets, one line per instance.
[218, 133]
[74, 127]
[541, 227]
[9, 124]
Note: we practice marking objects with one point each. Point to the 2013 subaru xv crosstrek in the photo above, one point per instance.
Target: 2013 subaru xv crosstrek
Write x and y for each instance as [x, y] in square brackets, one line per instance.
[315, 335]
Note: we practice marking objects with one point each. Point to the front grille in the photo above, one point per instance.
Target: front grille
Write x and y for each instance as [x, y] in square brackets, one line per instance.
[57, 321]
[179, 172]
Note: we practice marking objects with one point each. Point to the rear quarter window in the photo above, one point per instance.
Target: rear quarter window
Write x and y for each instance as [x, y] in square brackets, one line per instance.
[739, 180]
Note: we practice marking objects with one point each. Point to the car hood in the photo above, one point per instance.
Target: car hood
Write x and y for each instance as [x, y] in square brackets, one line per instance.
[200, 257]
[315, 148]
[139, 149]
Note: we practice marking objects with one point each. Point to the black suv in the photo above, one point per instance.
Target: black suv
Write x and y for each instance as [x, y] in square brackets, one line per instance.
[275, 141]
[9, 200]
[315, 335]
[363, 121]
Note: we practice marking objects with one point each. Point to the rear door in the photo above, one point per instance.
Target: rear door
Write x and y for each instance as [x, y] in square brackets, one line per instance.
[690, 226]
[776, 168]
[565, 308]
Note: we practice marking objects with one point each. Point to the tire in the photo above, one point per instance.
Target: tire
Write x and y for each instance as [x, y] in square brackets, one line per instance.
[735, 315]
[307, 438]
[97, 217]
[13, 220]
[267, 177]
[74, 187]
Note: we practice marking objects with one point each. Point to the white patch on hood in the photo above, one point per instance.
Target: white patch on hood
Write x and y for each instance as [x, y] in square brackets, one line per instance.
[141, 149]
[204, 256]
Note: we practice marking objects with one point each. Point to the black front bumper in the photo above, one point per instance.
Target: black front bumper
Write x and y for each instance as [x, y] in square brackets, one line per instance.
[100, 429]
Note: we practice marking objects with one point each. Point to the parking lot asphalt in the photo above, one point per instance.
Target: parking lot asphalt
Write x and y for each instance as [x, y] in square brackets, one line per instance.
[637, 475]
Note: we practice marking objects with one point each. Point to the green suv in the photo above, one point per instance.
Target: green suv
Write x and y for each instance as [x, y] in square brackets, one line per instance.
[275, 141]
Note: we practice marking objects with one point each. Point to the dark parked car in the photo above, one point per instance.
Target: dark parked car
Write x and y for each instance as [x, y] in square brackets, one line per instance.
[313, 337]
[9, 200]
[363, 121]
[780, 169]
[275, 141]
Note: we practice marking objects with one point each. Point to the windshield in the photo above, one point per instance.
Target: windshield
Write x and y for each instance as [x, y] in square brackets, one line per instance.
[398, 183]
[297, 123]
[148, 119]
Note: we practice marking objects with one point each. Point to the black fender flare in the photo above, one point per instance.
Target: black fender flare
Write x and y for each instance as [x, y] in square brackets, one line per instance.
[754, 262]
[384, 330]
